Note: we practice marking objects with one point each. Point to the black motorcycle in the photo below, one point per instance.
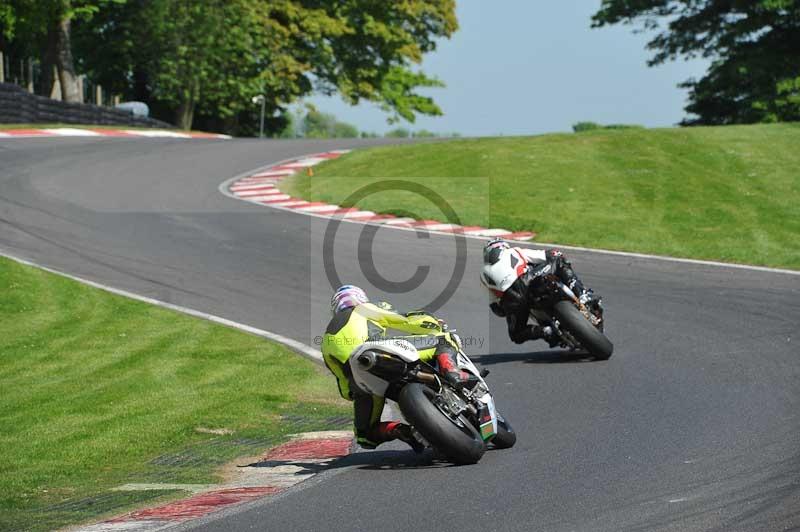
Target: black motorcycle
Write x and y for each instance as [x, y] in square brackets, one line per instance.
[575, 324]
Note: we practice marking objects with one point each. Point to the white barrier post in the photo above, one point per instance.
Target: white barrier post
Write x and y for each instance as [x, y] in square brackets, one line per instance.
[30, 75]
[55, 92]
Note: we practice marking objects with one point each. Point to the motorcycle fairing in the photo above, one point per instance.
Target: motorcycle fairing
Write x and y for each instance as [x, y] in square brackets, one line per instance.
[373, 384]
[488, 428]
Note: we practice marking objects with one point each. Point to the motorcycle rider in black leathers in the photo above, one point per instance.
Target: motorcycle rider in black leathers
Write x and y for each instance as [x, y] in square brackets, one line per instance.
[512, 298]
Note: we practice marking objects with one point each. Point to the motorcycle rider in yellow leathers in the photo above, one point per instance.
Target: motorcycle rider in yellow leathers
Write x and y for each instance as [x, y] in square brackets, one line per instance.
[355, 320]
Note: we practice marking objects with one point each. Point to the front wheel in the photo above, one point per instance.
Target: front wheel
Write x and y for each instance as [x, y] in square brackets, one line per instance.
[505, 437]
[584, 332]
[455, 438]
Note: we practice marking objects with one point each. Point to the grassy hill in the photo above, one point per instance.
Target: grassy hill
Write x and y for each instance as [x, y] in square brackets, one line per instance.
[723, 193]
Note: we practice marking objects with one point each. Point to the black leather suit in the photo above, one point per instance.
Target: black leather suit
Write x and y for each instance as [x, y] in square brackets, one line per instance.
[516, 301]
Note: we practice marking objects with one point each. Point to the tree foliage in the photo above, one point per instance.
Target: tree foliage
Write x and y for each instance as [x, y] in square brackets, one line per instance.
[326, 126]
[202, 62]
[398, 133]
[580, 127]
[213, 56]
[424, 134]
[754, 46]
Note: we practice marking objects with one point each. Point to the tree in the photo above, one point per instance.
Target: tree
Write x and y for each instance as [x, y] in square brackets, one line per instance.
[343, 130]
[213, 56]
[324, 126]
[580, 127]
[372, 57]
[44, 28]
[198, 44]
[398, 133]
[754, 46]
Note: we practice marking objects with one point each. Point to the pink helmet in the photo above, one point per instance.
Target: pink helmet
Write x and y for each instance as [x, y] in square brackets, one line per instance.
[347, 296]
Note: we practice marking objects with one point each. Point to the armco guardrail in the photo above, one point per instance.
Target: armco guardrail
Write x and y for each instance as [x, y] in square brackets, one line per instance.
[20, 107]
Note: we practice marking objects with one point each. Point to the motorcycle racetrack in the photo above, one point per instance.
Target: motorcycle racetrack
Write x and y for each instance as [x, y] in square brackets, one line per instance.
[693, 424]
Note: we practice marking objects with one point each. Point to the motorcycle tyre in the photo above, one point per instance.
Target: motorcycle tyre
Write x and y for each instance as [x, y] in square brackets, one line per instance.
[591, 339]
[505, 437]
[460, 445]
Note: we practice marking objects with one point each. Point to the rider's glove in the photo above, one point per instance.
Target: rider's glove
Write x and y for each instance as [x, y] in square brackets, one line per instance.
[385, 305]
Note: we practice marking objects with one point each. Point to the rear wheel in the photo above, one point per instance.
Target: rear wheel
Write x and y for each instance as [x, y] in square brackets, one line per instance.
[455, 438]
[583, 331]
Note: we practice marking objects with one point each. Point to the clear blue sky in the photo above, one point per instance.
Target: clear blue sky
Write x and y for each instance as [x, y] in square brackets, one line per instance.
[519, 67]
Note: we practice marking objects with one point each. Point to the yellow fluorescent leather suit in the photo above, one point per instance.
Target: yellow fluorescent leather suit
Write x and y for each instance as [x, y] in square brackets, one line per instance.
[350, 328]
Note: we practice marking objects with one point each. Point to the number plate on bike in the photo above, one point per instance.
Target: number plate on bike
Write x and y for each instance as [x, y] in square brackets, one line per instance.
[487, 430]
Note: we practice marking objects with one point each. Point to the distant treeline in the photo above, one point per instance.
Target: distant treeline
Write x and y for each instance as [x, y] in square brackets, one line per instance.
[589, 126]
[309, 122]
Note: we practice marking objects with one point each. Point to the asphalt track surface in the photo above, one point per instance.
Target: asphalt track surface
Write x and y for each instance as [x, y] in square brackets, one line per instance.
[694, 423]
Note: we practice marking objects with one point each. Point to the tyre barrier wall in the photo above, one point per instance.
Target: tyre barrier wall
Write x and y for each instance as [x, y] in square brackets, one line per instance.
[18, 106]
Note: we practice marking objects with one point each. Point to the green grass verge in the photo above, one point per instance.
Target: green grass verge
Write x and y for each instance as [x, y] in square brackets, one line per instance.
[720, 193]
[99, 390]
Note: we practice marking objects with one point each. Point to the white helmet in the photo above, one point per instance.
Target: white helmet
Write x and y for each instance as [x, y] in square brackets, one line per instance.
[502, 265]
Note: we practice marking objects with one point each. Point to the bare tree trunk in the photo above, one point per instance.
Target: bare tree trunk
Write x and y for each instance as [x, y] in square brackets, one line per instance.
[66, 66]
[184, 115]
[3, 46]
[48, 60]
[30, 76]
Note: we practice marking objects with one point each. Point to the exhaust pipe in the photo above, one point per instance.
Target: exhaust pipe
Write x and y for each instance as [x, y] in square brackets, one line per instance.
[382, 365]
[426, 378]
[367, 360]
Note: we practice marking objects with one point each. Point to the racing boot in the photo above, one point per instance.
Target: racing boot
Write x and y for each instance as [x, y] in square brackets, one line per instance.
[545, 333]
[403, 432]
[456, 378]
[461, 379]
